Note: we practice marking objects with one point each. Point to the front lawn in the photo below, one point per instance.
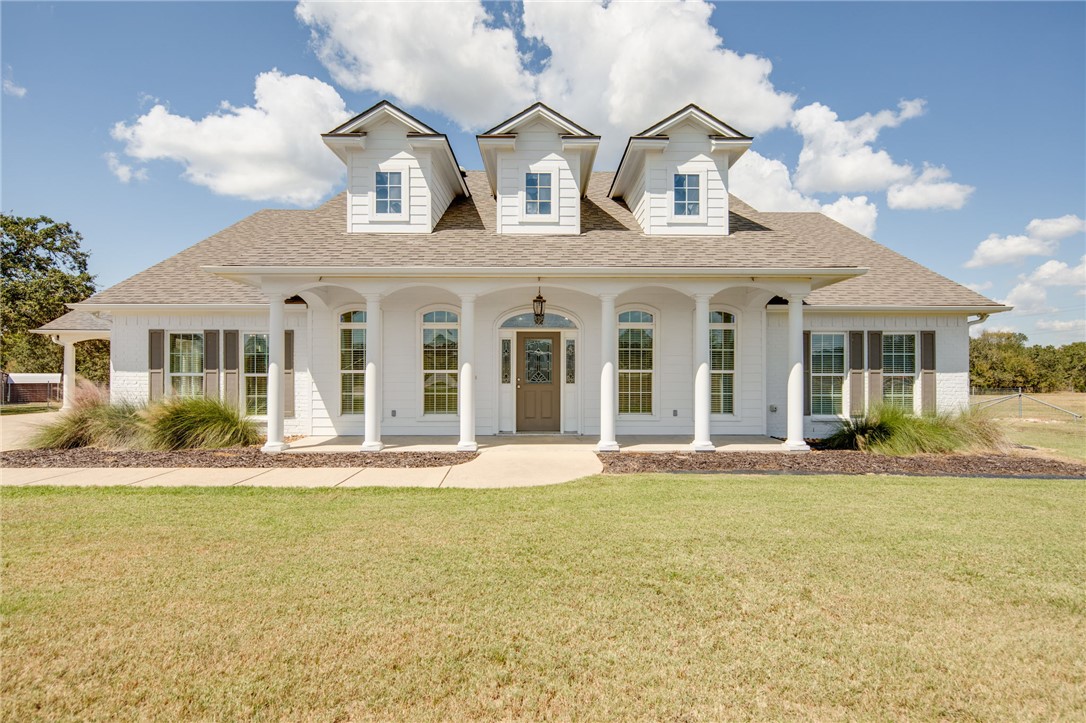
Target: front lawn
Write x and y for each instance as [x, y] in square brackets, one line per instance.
[653, 597]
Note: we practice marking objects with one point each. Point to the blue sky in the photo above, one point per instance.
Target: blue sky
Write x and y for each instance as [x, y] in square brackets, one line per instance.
[954, 133]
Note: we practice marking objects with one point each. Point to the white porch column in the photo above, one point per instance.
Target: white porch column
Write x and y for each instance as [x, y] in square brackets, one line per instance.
[702, 378]
[276, 344]
[608, 374]
[795, 440]
[466, 349]
[69, 374]
[374, 361]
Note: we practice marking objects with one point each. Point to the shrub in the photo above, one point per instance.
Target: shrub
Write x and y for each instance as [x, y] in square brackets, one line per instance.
[890, 430]
[92, 422]
[199, 423]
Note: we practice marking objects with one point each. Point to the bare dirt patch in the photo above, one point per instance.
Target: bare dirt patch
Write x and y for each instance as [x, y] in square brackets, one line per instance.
[219, 458]
[842, 462]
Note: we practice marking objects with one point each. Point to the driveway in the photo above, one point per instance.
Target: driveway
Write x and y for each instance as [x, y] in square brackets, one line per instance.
[16, 429]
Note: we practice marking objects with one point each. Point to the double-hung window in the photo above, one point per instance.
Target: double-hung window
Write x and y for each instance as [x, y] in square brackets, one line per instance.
[254, 349]
[898, 370]
[686, 190]
[722, 362]
[537, 194]
[440, 362]
[636, 357]
[187, 365]
[352, 362]
[827, 367]
[388, 195]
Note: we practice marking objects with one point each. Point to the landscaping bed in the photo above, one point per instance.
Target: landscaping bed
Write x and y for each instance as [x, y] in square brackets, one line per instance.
[218, 458]
[842, 462]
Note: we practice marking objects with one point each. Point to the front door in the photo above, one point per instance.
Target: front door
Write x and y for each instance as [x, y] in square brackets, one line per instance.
[539, 389]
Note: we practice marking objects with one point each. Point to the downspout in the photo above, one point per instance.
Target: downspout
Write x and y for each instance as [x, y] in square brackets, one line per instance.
[979, 320]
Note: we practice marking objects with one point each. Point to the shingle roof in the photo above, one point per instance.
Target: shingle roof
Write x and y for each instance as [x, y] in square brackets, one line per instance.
[76, 321]
[466, 237]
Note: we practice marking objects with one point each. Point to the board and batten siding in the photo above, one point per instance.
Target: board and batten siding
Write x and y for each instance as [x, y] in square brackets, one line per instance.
[538, 148]
[952, 360]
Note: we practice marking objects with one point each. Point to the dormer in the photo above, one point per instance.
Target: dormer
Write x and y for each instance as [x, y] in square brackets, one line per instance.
[401, 173]
[673, 175]
[538, 164]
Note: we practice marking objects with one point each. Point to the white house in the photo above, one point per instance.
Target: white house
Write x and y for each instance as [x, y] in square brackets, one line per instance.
[404, 305]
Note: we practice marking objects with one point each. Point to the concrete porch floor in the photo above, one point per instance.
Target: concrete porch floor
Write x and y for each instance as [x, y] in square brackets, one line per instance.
[629, 443]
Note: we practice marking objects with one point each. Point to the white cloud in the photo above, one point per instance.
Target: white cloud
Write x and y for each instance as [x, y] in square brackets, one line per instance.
[857, 213]
[10, 86]
[982, 286]
[124, 172]
[932, 189]
[271, 150]
[1042, 238]
[1055, 229]
[444, 57]
[1057, 273]
[1028, 297]
[977, 329]
[837, 156]
[1055, 325]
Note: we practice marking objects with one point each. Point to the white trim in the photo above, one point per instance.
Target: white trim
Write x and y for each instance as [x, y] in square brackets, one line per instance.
[339, 326]
[169, 375]
[394, 166]
[241, 374]
[915, 334]
[732, 416]
[420, 373]
[844, 376]
[553, 169]
[687, 169]
[655, 326]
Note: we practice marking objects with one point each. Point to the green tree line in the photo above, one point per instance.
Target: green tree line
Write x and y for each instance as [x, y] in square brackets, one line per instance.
[1001, 359]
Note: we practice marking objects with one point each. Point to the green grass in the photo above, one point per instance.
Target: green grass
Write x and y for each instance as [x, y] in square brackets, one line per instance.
[13, 409]
[1042, 427]
[635, 597]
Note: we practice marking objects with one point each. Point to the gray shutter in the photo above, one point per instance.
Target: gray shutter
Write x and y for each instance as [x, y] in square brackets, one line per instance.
[856, 373]
[874, 367]
[156, 354]
[230, 375]
[211, 363]
[927, 372]
[807, 373]
[288, 373]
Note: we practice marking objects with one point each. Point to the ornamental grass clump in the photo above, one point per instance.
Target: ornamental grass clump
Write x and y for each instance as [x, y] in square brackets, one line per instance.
[93, 422]
[890, 430]
[199, 423]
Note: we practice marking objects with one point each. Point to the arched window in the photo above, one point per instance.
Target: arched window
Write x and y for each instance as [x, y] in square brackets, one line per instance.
[352, 362]
[722, 362]
[440, 361]
[636, 361]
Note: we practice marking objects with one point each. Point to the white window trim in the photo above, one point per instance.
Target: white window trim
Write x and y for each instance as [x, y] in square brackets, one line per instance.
[916, 407]
[420, 384]
[732, 415]
[241, 371]
[703, 177]
[845, 399]
[655, 326]
[170, 375]
[552, 168]
[404, 169]
[339, 350]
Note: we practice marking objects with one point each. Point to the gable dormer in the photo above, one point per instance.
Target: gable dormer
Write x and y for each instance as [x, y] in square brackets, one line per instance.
[401, 173]
[538, 164]
[673, 175]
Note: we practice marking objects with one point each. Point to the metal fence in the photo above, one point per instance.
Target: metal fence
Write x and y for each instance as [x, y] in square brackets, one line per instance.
[1014, 402]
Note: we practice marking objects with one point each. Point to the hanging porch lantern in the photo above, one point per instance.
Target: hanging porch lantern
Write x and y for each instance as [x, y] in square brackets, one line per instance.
[539, 305]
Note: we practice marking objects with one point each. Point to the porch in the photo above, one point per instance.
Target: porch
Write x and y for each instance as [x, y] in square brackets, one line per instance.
[537, 442]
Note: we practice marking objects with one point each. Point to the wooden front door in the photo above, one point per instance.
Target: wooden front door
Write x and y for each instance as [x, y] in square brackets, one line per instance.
[539, 385]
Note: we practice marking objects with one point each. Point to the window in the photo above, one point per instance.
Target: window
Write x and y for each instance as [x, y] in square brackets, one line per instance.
[507, 361]
[527, 321]
[898, 369]
[352, 362]
[571, 361]
[635, 362]
[687, 191]
[187, 365]
[827, 367]
[440, 362]
[255, 371]
[537, 194]
[389, 196]
[722, 362]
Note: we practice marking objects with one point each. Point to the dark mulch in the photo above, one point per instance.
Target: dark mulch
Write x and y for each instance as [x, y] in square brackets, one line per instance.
[246, 457]
[842, 462]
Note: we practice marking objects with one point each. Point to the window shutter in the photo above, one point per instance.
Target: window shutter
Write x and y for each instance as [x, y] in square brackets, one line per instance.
[288, 373]
[156, 354]
[211, 363]
[927, 372]
[807, 373]
[874, 367]
[855, 373]
[230, 351]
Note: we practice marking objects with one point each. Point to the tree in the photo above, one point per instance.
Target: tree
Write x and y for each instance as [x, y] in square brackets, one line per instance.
[1001, 359]
[43, 268]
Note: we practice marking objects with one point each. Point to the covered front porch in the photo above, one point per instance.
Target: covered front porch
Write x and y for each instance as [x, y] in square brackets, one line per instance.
[630, 443]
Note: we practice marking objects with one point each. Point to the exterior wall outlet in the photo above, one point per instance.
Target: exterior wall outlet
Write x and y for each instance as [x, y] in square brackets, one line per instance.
[674, 412]
[393, 412]
[773, 407]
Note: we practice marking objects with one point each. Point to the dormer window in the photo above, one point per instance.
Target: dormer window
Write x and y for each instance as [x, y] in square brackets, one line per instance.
[537, 194]
[687, 189]
[389, 188]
